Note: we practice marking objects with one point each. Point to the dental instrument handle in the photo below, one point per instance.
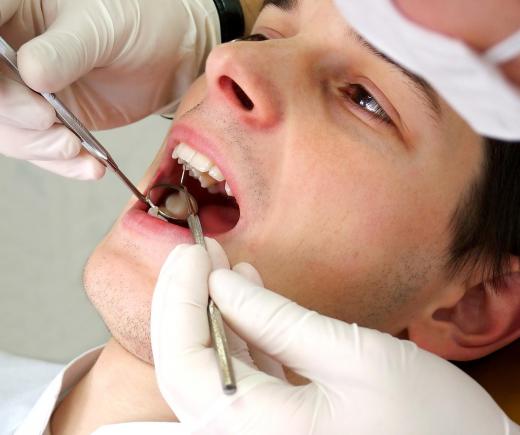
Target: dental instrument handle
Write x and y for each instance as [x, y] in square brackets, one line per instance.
[88, 141]
[216, 324]
[218, 335]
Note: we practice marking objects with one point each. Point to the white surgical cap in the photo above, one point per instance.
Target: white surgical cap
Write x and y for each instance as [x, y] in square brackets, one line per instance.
[470, 82]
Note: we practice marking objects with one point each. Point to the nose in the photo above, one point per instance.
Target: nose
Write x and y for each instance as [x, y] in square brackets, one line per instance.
[242, 75]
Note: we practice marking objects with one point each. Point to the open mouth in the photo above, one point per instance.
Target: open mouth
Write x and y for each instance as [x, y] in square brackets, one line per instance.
[218, 209]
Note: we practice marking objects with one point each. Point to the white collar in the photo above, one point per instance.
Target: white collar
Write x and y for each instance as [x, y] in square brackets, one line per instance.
[38, 418]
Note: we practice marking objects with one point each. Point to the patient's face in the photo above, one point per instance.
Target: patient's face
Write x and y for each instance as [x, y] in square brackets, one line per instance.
[345, 177]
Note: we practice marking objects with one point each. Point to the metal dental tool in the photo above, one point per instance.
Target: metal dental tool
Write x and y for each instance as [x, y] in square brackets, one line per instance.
[216, 323]
[158, 191]
[88, 141]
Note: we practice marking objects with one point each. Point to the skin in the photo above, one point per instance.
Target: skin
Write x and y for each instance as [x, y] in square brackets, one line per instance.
[367, 204]
[251, 9]
[482, 27]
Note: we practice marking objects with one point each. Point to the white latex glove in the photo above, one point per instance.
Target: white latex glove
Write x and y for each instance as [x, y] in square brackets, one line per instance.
[362, 381]
[112, 62]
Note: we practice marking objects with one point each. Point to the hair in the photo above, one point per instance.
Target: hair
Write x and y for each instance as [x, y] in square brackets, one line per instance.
[486, 223]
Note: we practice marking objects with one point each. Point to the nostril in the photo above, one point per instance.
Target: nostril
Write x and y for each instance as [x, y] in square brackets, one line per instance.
[242, 96]
[235, 92]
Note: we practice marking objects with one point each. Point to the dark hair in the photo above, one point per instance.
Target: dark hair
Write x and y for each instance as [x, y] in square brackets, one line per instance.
[486, 224]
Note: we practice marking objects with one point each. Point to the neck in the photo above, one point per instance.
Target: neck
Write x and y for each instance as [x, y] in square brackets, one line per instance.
[119, 388]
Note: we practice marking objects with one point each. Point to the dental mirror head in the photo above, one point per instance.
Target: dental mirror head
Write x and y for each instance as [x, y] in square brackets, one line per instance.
[170, 202]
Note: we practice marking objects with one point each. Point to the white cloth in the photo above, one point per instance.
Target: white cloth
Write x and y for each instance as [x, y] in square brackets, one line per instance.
[471, 83]
[26, 409]
[29, 395]
[22, 381]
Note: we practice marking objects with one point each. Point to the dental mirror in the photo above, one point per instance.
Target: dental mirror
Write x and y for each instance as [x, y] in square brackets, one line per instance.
[174, 204]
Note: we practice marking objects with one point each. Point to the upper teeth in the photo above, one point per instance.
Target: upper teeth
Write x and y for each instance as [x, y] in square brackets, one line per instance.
[201, 168]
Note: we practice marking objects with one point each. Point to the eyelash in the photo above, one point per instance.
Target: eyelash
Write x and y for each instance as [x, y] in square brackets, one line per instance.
[360, 96]
[354, 92]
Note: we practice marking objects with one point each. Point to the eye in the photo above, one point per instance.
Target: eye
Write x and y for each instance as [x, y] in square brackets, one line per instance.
[253, 37]
[358, 95]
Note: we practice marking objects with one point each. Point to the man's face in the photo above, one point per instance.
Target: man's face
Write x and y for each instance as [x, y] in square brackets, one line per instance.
[345, 175]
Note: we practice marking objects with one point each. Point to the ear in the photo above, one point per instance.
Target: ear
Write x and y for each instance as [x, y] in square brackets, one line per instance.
[471, 321]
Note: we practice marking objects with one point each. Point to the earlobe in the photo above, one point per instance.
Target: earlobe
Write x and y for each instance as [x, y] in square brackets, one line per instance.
[470, 323]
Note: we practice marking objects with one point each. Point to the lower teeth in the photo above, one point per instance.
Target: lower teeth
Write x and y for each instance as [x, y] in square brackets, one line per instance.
[154, 211]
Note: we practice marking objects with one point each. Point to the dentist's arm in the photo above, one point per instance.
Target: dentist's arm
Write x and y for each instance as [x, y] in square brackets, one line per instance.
[112, 62]
[361, 381]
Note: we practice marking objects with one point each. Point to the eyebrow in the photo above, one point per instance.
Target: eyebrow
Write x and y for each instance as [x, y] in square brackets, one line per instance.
[286, 5]
[422, 88]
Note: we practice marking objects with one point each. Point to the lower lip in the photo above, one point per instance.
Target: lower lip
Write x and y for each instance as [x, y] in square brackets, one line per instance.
[137, 220]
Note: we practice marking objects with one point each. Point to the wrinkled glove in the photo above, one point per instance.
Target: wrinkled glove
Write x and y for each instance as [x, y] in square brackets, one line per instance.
[112, 62]
[361, 381]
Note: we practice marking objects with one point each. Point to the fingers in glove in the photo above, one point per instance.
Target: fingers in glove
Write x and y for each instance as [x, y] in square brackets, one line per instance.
[82, 167]
[184, 362]
[181, 296]
[79, 40]
[296, 337]
[7, 10]
[55, 143]
[23, 108]
[217, 254]
[180, 302]
[186, 367]
[263, 361]
[249, 272]
[237, 346]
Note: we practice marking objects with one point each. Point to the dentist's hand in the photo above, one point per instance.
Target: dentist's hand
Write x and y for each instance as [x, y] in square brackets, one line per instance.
[112, 62]
[361, 381]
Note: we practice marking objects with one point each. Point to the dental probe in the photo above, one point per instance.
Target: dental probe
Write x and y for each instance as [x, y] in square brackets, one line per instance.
[88, 141]
[216, 324]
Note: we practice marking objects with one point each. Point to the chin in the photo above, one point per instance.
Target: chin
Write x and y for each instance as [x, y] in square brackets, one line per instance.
[122, 296]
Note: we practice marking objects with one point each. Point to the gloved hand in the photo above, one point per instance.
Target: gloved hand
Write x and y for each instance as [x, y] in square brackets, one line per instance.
[361, 381]
[112, 62]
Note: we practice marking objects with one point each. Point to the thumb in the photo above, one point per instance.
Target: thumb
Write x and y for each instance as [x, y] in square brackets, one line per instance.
[7, 10]
[77, 41]
[298, 338]
[274, 324]
[262, 361]
[317, 347]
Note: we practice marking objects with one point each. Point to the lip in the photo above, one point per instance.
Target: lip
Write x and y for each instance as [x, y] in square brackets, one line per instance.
[182, 132]
[136, 219]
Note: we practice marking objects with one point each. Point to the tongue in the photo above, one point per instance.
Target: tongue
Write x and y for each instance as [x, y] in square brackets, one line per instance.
[218, 219]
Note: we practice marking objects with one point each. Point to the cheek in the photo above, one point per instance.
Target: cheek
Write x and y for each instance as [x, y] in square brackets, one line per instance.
[192, 97]
[346, 244]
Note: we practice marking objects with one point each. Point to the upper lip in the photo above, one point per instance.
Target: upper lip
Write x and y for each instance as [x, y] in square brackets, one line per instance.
[182, 133]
